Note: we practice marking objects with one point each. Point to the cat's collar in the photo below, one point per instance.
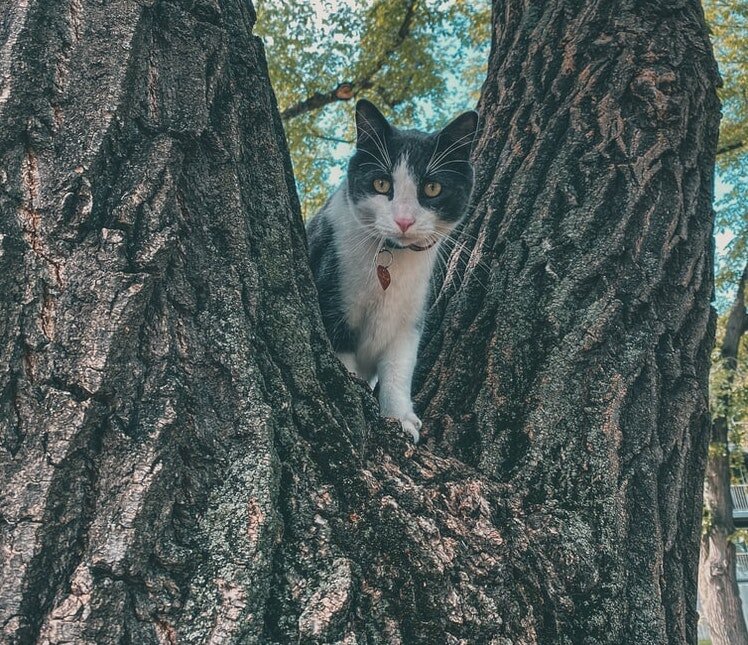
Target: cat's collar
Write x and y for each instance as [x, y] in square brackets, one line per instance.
[392, 246]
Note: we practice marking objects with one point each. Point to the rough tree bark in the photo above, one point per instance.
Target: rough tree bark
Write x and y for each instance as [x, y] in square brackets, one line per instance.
[571, 362]
[718, 587]
[183, 459]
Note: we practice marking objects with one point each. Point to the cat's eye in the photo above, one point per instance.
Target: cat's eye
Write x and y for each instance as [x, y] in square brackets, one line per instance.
[432, 188]
[382, 186]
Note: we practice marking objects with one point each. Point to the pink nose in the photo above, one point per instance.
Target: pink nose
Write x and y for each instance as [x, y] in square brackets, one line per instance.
[404, 223]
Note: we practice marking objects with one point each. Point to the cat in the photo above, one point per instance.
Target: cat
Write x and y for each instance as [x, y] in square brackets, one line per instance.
[372, 247]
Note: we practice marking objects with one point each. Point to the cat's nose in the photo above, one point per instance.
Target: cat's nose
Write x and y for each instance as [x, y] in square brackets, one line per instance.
[404, 222]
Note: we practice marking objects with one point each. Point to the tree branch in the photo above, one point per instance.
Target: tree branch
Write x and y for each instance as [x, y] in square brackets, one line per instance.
[333, 139]
[729, 147]
[347, 90]
[343, 92]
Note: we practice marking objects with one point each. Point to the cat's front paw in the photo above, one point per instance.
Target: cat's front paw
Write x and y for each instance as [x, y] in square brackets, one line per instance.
[412, 424]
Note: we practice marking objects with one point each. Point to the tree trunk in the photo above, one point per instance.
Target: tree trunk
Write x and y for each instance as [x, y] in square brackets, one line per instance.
[570, 360]
[718, 587]
[183, 458]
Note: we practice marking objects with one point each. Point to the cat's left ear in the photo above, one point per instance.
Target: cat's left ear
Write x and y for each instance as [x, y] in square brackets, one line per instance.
[371, 126]
[458, 135]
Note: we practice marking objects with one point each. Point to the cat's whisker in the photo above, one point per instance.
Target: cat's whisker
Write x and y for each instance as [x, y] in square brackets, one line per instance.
[380, 163]
[452, 148]
[366, 239]
[470, 259]
[441, 166]
[360, 247]
[376, 165]
[441, 169]
[469, 267]
[462, 254]
[433, 152]
[457, 234]
[454, 273]
[449, 161]
[461, 276]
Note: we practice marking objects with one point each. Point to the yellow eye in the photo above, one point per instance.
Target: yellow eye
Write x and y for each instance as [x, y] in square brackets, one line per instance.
[382, 186]
[432, 188]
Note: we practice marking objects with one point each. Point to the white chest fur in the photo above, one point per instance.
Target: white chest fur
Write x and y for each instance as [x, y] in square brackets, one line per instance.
[378, 316]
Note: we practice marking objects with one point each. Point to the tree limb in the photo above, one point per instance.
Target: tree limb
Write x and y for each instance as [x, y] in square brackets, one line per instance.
[729, 147]
[333, 139]
[343, 92]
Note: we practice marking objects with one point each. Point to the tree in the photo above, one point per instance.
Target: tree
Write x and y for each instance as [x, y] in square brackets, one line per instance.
[184, 459]
[717, 580]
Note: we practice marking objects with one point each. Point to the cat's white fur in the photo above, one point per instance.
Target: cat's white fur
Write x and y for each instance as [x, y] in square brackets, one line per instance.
[387, 322]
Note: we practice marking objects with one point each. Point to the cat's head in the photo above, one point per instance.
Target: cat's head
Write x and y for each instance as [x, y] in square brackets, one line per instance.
[409, 186]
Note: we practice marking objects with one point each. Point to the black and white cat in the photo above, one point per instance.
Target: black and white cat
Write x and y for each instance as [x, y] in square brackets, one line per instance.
[373, 245]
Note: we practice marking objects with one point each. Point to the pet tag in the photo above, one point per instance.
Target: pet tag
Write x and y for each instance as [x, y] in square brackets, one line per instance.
[383, 273]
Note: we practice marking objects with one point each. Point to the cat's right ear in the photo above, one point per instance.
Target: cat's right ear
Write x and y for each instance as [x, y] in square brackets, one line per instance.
[371, 126]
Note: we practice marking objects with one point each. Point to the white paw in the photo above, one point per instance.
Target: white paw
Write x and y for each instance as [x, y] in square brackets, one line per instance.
[412, 424]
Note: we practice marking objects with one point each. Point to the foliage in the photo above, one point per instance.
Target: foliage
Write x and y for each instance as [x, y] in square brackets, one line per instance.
[436, 70]
[707, 520]
[419, 60]
[739, 536]
[728, 20]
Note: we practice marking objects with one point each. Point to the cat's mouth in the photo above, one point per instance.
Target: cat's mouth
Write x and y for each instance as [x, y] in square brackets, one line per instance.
[402, 242]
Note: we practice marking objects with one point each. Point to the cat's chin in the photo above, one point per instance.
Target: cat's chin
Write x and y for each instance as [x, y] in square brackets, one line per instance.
[396, 243]
[402, 243]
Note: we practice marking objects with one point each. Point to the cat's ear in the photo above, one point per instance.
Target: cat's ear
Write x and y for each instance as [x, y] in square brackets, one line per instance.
[458, 135]
[371, 126]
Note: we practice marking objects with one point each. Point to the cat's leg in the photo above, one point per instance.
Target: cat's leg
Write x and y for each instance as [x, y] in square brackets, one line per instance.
[354, 366]
[395, 371]
[349, 360]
